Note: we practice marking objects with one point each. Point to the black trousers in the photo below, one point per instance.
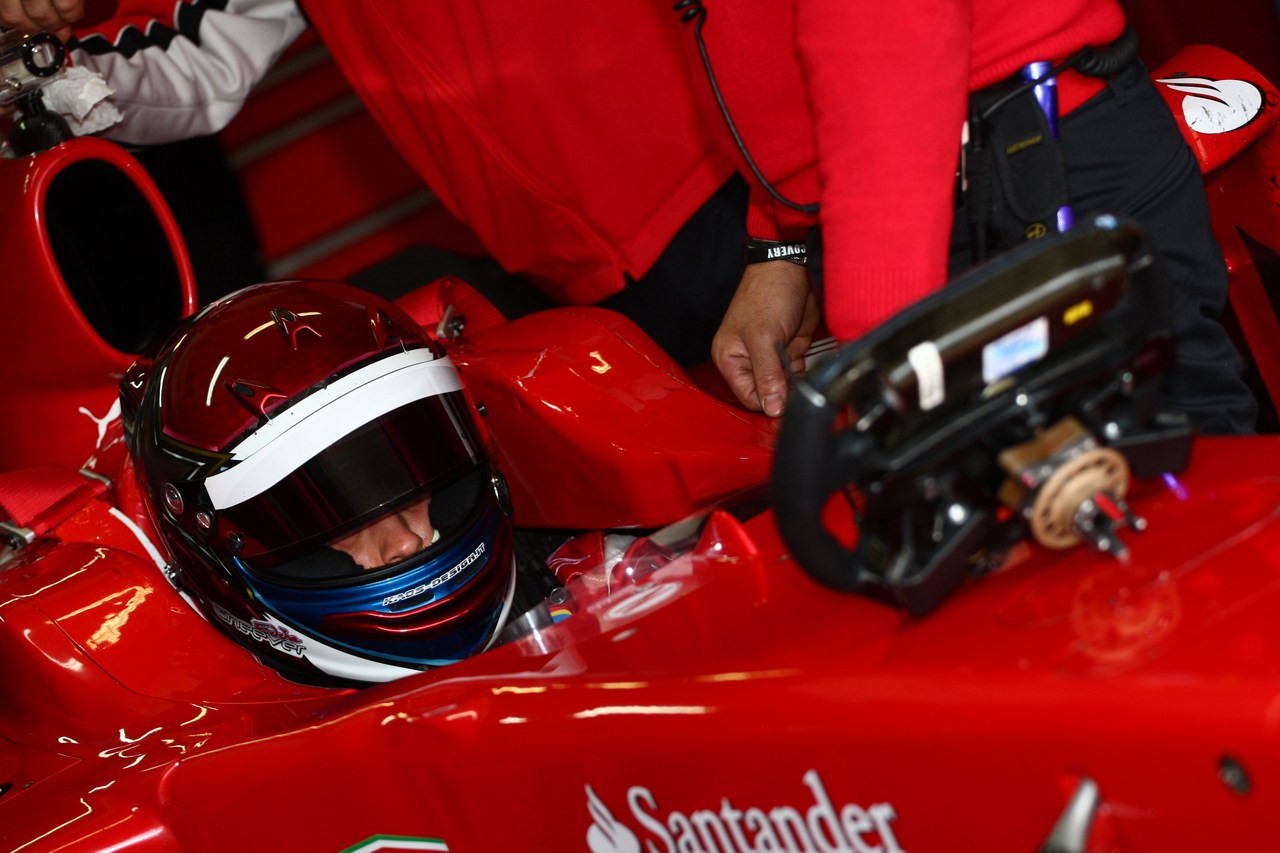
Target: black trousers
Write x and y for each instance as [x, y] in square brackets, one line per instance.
[1125, 155]
[681, 300]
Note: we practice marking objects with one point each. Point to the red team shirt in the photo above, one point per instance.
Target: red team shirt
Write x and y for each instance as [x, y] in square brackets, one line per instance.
[569, 139]
[565, 133]
[860, 106]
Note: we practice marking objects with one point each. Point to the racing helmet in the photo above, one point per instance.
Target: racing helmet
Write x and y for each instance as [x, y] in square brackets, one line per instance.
[309, 457]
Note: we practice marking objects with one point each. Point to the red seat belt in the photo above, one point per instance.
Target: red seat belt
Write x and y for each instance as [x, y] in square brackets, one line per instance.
[33, 501]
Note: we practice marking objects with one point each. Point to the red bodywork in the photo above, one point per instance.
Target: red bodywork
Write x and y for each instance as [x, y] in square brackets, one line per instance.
[724, 701]
[61, 360]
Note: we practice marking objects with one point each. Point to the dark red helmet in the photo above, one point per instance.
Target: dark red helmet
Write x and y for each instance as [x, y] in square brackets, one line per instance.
[312, 463]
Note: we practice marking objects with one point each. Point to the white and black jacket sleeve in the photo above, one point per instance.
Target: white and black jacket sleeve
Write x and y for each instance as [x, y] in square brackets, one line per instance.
[183, 68]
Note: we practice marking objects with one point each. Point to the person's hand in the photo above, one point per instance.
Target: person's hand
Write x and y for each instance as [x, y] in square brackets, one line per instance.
[774, 304]
[33, 16]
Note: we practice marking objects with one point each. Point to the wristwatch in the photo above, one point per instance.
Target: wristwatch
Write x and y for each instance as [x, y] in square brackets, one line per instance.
[762, 251]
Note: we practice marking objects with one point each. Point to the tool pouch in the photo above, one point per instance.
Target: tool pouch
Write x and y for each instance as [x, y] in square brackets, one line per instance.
[1014, 168]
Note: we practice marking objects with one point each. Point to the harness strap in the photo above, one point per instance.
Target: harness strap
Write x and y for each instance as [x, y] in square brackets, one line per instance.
[34, 501]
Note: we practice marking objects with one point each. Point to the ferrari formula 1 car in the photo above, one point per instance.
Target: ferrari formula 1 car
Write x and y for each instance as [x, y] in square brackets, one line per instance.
[975, 592]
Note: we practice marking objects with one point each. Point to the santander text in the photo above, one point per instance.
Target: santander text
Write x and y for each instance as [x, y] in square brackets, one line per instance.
[820, 828]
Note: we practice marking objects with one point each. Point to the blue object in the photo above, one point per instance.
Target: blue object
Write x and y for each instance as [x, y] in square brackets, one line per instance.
[1046, 94]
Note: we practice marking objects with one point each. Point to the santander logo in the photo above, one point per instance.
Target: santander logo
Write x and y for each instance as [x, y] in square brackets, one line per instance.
[1216, 106]
[817, 825]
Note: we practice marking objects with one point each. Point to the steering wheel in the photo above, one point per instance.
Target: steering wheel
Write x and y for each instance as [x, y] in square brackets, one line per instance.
[945, 425]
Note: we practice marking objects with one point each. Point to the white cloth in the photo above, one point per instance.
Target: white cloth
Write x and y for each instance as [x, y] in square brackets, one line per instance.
[82, 96]
[181, 70]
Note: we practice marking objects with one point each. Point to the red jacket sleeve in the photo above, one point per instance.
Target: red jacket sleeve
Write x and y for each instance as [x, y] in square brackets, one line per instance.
[888, 87]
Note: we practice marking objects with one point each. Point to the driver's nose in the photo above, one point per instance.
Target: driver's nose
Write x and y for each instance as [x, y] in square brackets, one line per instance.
[392, 538]
[395, 540]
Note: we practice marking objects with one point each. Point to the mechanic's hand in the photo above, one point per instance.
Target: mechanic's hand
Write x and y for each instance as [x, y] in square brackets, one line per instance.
[774, 304]
[33, 16]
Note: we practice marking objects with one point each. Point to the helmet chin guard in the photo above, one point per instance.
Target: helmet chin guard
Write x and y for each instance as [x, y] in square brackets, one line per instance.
[311, 460]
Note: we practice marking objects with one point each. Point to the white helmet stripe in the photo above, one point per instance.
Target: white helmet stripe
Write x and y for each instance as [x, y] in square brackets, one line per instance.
[265, 457]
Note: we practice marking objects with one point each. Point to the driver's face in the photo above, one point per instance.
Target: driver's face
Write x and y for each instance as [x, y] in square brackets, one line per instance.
[391, 538]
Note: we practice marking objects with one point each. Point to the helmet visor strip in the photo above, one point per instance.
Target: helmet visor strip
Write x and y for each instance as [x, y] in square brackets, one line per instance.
[454, 508]
[390, 461]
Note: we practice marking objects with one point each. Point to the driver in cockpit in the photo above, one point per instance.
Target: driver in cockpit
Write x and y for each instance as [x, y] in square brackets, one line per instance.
[311, 460]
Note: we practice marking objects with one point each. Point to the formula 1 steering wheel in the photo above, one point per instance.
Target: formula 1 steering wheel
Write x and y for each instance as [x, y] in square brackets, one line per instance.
[1014, 402]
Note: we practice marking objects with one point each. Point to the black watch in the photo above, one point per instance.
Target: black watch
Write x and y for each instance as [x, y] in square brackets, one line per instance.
[762, 251]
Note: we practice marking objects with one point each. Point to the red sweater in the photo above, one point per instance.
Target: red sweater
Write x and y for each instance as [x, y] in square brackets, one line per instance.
[860, 105]
[565, 134]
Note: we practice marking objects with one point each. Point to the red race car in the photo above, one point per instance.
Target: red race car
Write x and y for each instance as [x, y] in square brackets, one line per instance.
[979, 597]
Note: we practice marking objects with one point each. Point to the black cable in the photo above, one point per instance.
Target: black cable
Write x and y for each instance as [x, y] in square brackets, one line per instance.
[693, 10]
[1089, 61]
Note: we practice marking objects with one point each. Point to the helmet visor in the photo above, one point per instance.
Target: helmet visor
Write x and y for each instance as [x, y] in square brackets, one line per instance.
[391, 460]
